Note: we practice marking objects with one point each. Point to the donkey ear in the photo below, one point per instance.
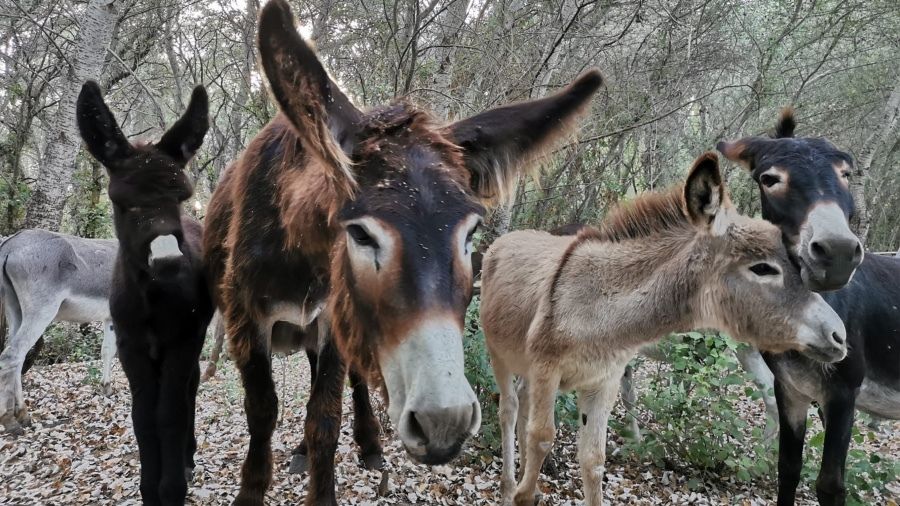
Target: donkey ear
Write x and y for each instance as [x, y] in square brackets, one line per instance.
[499, 143]
[704, 192]
[184, 138]
[99, 129]
[323, 117]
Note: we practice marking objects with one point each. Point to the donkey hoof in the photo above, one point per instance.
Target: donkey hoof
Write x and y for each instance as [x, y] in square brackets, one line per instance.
[107, 389]
[527, 499]
[248, 499]
[189, 475]
[299, 464]
[372, 462]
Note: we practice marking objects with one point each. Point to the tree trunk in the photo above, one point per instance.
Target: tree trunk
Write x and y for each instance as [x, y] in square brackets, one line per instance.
[885, 130]
[451, 23]
[48, 199]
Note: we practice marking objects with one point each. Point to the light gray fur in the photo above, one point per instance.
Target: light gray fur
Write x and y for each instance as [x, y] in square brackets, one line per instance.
[48, 277]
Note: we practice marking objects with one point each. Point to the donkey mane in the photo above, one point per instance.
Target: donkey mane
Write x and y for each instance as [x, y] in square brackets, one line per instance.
[786, 123]
[646, 215]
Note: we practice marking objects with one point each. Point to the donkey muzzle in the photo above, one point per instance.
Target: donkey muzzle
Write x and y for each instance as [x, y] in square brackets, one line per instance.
[431, 403]
[822, 334]
[829, 250]
[163, 247]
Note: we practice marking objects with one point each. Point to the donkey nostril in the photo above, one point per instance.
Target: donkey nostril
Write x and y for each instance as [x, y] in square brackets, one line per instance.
[817, 250]
[837, 338]
[857, 253]
[415, 430]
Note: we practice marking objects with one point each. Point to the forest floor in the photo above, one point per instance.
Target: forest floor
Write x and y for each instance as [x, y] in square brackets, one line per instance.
[81, 450]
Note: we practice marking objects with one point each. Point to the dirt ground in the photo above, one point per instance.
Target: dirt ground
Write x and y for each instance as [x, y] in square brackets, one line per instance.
[81, 450]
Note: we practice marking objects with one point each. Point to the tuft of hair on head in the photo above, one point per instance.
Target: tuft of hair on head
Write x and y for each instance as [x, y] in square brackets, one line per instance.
[786, 123]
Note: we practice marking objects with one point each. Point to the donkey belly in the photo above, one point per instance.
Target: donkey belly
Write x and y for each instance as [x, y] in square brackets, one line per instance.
[879, 400]
[583, 370]
[81, 309]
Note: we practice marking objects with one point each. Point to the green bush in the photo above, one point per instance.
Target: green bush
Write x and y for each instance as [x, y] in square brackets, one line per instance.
[866, 474]
[696, 424]
[67, 342]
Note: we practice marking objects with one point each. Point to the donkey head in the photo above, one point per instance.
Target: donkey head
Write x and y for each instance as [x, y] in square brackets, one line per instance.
[751, 287]
[804, 187]
[411, 194]
[147, 183]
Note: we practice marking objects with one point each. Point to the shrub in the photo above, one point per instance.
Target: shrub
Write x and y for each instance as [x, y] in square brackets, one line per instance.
[694, 407]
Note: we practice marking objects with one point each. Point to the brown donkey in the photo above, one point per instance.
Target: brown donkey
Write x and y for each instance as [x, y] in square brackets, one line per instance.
[369, 215]
[570, 312]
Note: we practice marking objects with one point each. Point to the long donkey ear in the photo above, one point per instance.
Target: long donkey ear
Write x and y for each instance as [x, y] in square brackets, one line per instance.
[704, 192]
[184, 138]
[498, 144]
[99, 129]
[323, 117]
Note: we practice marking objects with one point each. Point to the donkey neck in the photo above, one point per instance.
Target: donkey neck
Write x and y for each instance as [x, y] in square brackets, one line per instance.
[628, 293]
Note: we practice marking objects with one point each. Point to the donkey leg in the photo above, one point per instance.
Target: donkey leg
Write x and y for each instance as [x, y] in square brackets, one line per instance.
[261, 408]
[509, 407]
[839, 410]
[366, 429]
[107, 354]
[191, 416]
[629, 399]
[323, 424]
[299, 455]
[32, 355]
[143, 383]
[540, 432]
[752, 362]
[792, 408]
[13, 415]
[595, 406]
[173, 420]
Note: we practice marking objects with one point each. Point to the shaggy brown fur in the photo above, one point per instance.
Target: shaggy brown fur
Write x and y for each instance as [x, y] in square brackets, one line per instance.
[292, 226]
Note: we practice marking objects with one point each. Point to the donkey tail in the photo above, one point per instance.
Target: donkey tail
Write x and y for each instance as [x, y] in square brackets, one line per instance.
[8, 299]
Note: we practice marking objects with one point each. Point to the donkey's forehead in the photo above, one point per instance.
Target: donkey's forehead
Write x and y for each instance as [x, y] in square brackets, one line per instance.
[753, 237]
[424, 194]
[807, 158]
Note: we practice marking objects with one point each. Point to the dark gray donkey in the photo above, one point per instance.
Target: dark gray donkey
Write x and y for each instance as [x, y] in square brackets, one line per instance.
[48, 277]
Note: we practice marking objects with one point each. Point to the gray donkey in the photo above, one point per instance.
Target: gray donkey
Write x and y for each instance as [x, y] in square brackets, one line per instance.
[48, 277]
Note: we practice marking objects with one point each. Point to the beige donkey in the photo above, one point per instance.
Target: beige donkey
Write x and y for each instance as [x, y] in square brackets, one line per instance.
[570, 312]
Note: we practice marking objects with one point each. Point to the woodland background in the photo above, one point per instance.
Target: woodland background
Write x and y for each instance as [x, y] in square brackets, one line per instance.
[681, 75]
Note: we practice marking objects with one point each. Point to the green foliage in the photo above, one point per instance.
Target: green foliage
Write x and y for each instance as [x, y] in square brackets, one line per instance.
[90, 209]
[65, 342]
[866, 474]
[481, 376]
[695, 407]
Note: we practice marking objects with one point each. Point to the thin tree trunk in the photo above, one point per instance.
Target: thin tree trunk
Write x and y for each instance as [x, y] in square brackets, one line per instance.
[885, 129]
[49, 196]
[451, 23]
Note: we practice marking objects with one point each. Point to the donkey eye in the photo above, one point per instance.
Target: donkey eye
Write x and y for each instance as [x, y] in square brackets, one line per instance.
[768, 180]
[361, 237]
[845, 174]
[471, 235]
[764, 269]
